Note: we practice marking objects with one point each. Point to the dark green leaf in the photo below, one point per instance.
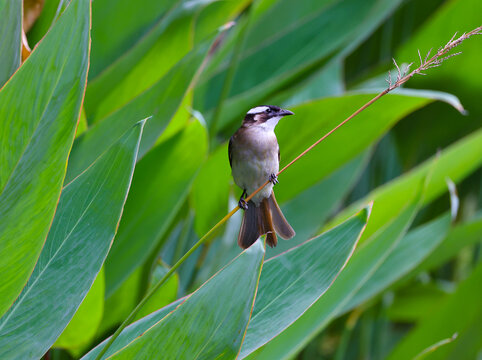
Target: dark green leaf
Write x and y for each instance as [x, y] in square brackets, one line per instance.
[161, 102]
[455, 162]
[291, 282]
[408, 253]
[11, 35]
[133, 331]
[161, 184]
[364, 262]
[465, 234]
[295, 39]
[39, 111]
[148, 60]
[315, 119]
[83, 326]
[78, 242]
[212, 320]
[211, 190]
[455, 315]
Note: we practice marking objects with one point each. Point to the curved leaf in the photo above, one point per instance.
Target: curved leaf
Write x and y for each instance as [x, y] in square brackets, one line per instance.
[318, 202]
[11, 35]
[161, 102]
[161, 184]
[133, 331]
[37, 130]
[155, 53]
[83, 326]
[118, 24]
[78, 242]
[408, 253]
[212, 320]
[210, 192]
[304, 31]
[364, 262]
[462, 235]
[362, 131]
[455, 162]
[291, 282]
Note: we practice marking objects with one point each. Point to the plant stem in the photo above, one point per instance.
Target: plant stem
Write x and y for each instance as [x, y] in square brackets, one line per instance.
[426, 64]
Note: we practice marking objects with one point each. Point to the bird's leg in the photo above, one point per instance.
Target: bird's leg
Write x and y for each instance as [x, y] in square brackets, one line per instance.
[273, 179]
[242, 203]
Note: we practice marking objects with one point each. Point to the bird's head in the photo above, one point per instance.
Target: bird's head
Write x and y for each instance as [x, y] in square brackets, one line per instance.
[265, 116]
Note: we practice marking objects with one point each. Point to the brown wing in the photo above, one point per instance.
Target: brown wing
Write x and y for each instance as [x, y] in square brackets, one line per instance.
[230, 151]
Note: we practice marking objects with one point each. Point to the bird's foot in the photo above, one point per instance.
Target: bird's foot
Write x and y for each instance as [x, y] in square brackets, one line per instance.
[243, 204]
[273, 179]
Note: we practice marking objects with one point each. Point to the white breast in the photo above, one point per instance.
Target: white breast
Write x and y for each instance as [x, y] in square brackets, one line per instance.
[255, 160]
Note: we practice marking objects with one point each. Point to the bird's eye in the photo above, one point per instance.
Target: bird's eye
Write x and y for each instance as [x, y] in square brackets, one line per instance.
[268, 110]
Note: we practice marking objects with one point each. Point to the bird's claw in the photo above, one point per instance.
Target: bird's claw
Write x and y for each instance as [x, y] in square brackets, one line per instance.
[273, 179]
[243, 204]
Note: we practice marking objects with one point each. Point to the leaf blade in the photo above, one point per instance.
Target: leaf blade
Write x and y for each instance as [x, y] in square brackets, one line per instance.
[199, 319]
[80, 231]
[38, 130]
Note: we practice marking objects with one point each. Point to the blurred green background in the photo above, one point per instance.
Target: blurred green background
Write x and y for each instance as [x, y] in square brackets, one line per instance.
[195, 67]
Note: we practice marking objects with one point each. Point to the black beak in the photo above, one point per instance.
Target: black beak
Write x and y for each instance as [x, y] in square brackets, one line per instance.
[284, 112]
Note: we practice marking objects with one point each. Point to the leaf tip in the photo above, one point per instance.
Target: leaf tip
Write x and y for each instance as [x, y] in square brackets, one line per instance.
[142, 122]
[366, 211]
[256, 248]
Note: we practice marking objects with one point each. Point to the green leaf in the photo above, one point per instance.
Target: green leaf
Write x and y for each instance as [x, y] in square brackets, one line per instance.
[455, 162]
[153, 55]
[117, 25]
[131, 332]
[38, 128]
[336, 245]
[51, 11]
[318, 202]
[212, 320]
[291, 282]
[11, 35]
[462, 235]
[408, 253]
[456, 75]
[161, 102]
[362, 131]
[161, 184]
[83, 326]
[455, 315]
[77, 245]
[210, 192]
[415, 301]
[306, 34]
[364, 262]
[119, 304]
[165, 295]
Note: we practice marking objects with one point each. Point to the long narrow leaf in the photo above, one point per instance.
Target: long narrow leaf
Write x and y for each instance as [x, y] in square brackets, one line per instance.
[36, 133]
[11, 35]
[212, 320]
[78, 242]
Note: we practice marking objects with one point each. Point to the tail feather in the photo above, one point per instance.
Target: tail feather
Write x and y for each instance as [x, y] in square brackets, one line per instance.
[266, 218]
[267, 223]
[281, 225]
[250, 226]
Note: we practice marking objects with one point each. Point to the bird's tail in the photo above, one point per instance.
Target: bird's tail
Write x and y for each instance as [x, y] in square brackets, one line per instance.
[266, 218]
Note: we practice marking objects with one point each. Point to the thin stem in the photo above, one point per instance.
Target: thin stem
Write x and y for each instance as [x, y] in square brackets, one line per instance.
[401, 79]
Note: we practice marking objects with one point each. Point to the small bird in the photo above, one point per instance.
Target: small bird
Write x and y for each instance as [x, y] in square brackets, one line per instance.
[254, 158]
